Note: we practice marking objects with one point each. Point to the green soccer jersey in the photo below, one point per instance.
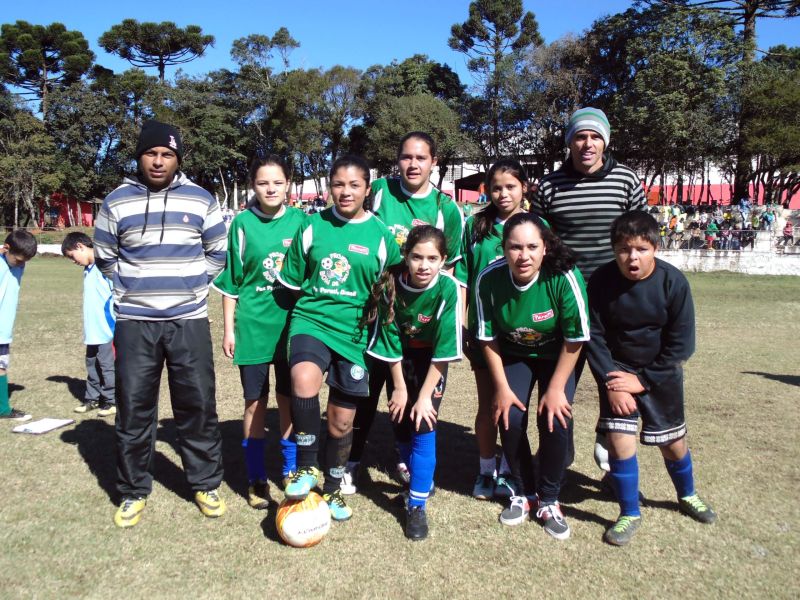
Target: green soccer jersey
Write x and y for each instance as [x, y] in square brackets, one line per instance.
[401, 211]
[423, 318]
[334, 262]
[257, 245]
[531, 320]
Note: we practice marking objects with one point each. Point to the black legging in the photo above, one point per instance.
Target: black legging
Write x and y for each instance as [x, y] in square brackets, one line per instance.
[554, 447]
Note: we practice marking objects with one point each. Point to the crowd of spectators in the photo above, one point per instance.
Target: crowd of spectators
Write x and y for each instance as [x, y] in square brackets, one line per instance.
[718, 227]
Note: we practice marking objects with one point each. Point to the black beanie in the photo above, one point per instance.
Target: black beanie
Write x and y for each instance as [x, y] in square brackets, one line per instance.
[154, 134]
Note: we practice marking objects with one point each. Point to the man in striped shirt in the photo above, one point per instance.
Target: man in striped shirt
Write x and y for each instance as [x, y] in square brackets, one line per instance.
[582, 198]
[160, 239]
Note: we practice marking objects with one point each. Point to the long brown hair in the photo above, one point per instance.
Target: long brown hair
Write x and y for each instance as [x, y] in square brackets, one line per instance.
[384, 291]
[483, 222]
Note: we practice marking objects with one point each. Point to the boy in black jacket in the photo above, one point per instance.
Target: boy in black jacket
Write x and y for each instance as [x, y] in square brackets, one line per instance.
[642, 331]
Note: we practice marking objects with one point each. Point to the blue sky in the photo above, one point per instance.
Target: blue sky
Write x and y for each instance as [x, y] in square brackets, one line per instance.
[356, 33]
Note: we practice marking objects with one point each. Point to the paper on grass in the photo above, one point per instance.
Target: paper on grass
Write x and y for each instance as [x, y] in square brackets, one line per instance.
[42, 425]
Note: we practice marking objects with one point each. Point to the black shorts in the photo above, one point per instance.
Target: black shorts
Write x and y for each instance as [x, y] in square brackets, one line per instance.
[415, 364]
[346, 377]
[255, 379]
[661, 410]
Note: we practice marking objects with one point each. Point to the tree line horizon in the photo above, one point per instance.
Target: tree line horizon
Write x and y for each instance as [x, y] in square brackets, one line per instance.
[681, 81]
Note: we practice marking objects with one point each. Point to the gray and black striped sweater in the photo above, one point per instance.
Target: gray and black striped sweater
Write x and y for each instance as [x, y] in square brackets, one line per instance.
[160, 249]
[580, 208]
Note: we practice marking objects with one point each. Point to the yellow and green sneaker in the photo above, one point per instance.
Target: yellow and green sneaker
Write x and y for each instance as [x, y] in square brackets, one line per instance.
[697, 508]
[210, 503]
[129, 512]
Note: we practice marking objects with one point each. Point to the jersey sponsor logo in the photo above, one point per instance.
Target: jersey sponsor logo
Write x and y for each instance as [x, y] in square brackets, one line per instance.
[525, 336]
[543, 316]
[272, 266]
[287, 242]
[423, 318]
[359, 249]
[357, 372]
[400, 233]
[335, 269]
[418, 222]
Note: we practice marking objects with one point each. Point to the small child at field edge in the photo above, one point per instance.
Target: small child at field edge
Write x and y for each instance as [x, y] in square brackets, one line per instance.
[98, 326]
[642, 331]
[18, 248]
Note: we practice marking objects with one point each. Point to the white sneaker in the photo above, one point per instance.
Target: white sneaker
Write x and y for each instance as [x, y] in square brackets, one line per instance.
[348, 485]
[402, 473]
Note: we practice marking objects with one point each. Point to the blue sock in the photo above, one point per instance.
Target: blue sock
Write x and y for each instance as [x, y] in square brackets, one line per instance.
[254, 459]
[625, 477]
[289, 452]
[404, 451]
[682, 476]
[423, 463]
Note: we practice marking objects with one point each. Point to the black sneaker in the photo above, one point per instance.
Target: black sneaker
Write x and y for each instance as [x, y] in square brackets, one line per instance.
[553, 520]
[16, 415]
[416, 523]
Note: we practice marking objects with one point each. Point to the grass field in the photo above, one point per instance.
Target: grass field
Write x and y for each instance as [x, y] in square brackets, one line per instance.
[57, 538]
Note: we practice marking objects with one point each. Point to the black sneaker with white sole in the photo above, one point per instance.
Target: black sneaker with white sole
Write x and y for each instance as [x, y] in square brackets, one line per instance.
[553, 520]
[16, 415]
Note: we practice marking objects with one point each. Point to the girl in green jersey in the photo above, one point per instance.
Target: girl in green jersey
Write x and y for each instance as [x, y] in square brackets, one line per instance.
[508, 185]
[333, 262]
[255, 309]
[403, 203]
[419, 337]
[532, 320]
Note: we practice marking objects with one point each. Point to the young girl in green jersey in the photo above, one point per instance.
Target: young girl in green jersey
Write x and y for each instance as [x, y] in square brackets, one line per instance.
[333, 262]
[532, 321]
[508, 185]
[255, 309]
[419, 337]
[403, 203]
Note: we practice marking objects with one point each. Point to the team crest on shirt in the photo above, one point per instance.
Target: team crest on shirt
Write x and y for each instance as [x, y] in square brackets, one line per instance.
[542, 316]
[525, 336]
[335, 269]
[400, 233]
[272, 266]
[410, 330]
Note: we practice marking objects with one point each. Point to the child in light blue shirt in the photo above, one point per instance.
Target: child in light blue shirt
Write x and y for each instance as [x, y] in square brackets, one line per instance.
[18, 248]
[98, 327]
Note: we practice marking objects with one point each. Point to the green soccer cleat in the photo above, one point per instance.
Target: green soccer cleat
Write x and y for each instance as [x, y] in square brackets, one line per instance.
[210, 503]
[129, 512]
[339, 509]
[621, 532]
[483, 488]
[302, 482]
[696, 507]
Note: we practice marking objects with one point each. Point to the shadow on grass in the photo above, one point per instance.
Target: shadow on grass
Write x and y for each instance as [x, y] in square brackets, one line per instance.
[75, 386]
[96, 443]
[787, 379]
[14, 387]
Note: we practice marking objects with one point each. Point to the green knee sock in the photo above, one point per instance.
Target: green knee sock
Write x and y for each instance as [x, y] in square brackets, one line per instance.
[5, 407]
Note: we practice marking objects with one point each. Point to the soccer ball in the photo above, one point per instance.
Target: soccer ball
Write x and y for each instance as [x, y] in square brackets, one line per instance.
[303, 523]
